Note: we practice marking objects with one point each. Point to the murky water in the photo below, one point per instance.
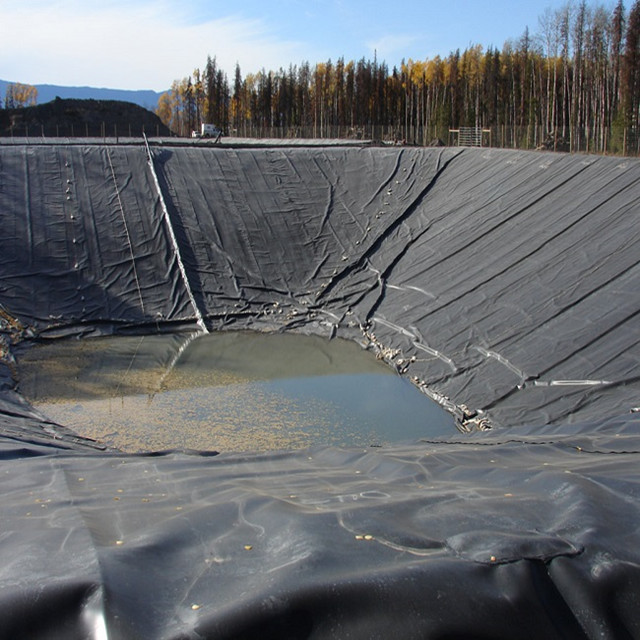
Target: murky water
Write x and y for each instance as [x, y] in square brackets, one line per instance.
[226, 392]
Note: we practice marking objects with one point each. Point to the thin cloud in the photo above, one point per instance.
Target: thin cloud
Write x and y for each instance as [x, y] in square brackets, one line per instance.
[390, 45]
[126, 45]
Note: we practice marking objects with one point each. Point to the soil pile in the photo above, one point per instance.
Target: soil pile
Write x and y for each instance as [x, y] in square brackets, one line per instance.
[81, 118]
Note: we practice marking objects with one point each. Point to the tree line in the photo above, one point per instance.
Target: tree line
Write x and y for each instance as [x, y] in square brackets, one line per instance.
[574, 83]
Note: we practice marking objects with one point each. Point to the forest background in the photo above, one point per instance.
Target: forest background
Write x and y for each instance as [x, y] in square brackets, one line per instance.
[574, 84]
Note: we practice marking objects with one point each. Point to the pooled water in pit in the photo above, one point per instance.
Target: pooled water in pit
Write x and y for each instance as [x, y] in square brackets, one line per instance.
[227, 391]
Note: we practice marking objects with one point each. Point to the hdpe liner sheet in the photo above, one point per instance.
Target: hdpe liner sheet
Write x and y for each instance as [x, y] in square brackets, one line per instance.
[523, 537]
[504, 283]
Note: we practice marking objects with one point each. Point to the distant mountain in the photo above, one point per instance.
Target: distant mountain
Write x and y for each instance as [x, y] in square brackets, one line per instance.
[47, 92]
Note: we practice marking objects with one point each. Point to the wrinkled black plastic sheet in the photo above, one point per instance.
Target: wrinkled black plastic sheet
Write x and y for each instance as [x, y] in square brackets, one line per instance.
[510, 277]
[529, 536]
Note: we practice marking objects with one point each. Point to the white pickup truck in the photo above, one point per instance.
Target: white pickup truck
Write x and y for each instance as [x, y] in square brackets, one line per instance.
[207, 131]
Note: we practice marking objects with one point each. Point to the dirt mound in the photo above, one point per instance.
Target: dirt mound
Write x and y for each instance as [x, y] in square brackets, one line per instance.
[81, 118]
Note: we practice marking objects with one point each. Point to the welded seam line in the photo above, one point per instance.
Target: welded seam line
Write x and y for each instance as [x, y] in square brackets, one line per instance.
[126, 373]
[602, 383]
[74, 210]
[570, 306]
[95, 606]
[174, 361]
[571, 383]
[521, 441]
[593, 341]
[383, 276]
[174, 241]
[387, 232]
[126, 229]
[27, 207]
[523, 257]
[487, 353]
[386, 182]
[416, 342]
[414, 551]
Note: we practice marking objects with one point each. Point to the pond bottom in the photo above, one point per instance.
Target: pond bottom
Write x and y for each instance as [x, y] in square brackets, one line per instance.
[228, 391]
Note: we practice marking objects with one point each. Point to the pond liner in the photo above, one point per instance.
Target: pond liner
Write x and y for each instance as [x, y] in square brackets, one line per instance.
[503, 283]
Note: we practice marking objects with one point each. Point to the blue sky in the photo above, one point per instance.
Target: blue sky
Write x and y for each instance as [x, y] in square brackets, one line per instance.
[146, 44]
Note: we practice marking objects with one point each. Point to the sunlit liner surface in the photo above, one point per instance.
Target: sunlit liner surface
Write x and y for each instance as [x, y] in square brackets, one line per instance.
[230, 391]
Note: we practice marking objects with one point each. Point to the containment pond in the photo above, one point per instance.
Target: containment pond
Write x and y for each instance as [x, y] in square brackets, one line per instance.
[228, 391]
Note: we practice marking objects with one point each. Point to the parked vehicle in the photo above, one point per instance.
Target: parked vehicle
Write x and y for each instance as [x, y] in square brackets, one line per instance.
[207, 131]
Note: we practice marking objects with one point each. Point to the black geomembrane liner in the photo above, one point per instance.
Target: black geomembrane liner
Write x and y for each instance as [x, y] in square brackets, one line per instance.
[503, 283]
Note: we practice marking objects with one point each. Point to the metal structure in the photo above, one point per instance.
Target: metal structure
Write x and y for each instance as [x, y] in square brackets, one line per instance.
[470, 136]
